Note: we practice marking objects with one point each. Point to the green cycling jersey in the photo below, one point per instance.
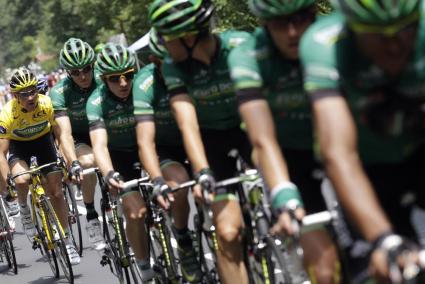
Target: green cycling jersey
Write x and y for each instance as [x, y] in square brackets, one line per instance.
[68, 99]
[256, 65]
[210, 87]
[104, 110]
[151, 99]
[381, 105]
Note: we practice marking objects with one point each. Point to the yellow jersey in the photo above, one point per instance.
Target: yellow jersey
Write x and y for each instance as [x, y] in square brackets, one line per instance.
[18, 124]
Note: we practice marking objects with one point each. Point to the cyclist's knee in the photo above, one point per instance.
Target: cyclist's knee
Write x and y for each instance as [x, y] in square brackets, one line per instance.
[325, 272]
[134, 212]
[87, 161]
[22, 181]
[228, 235]
[175, 172]
[321, 257]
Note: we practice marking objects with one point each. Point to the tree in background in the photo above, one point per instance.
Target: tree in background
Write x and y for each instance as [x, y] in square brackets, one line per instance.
[28, 28]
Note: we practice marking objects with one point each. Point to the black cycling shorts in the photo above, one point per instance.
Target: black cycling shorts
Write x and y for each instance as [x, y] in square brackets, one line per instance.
[218, 144]
[124, 162]
[81, 139]
[171, 154]
[43, 148]
[392, 183]
[302, 165]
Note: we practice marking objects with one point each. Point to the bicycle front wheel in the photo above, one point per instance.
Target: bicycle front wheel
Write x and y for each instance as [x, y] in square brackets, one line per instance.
[7, 236]
[74, 217]
[40, 241]
[56, 230]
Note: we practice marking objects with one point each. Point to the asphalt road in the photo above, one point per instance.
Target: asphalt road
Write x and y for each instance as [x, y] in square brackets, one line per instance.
[33, 269]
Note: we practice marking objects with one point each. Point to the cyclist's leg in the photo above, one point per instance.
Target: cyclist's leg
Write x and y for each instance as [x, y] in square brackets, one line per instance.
[53, 174]
[172, 160]
[228, 221]
[86, 158]
[55, 193]
[320, 253]
[134, 210]
[22, 182]
[226, 211]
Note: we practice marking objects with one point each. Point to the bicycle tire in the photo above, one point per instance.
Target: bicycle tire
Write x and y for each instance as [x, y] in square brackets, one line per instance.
[113, 253]
[48, 254]
[163, 253]
[209, 268]
[280, 263]
[60, 246]
[7, 241]
[74, 217]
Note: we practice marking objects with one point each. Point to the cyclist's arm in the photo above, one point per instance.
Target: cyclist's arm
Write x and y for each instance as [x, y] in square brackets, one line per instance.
[187, 121]
[4, 166]
[99, 141]
[63, 133]
[145, 131]
[261, 130]
[338, 143]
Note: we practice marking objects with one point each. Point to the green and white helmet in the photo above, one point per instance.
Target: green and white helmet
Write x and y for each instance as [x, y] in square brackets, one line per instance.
[267, 9]
[114, 58]
[377, 12]
[180, 17]
[155, 44]
[76, 54]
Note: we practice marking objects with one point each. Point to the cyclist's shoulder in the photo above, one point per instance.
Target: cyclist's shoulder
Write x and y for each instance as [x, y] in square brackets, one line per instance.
[257, 46]
[45, 101]
[145, 72]
[325, 31]
[233, 38]
[323, 38]
[144, 81]
[9, 107]
[97, 96]
[61, 87]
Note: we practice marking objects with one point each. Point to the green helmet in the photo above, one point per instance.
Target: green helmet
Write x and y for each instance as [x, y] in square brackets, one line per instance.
[377, 12]
[267, 9]
[114, 58]
[76, 54]
[98, 47]
[155, 44]
[179, 17]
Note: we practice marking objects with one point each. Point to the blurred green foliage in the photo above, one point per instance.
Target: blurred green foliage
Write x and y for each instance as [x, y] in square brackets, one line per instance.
[37, 29]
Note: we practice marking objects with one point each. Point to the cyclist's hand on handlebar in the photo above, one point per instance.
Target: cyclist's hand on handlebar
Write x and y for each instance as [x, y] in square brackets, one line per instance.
[206, 181]
[394, 260]
[161, 193]
[288, 208]
[114, 181]
[76, 171]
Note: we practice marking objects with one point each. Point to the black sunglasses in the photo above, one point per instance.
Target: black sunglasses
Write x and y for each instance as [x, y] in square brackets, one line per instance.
[115, 78]
[296, 19]
[27, 94]
[77, 72]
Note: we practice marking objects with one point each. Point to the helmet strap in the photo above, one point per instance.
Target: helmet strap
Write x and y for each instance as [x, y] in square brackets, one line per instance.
[189, 49]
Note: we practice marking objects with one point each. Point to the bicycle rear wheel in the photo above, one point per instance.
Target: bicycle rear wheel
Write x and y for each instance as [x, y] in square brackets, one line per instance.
[74, 217]
[59, 240]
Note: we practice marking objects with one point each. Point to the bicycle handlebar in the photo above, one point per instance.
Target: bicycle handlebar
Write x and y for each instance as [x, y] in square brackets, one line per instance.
[136, 182]
[33, 170]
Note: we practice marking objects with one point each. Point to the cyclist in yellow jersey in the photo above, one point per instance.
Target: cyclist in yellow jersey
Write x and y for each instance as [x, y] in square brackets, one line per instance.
[26, 123]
